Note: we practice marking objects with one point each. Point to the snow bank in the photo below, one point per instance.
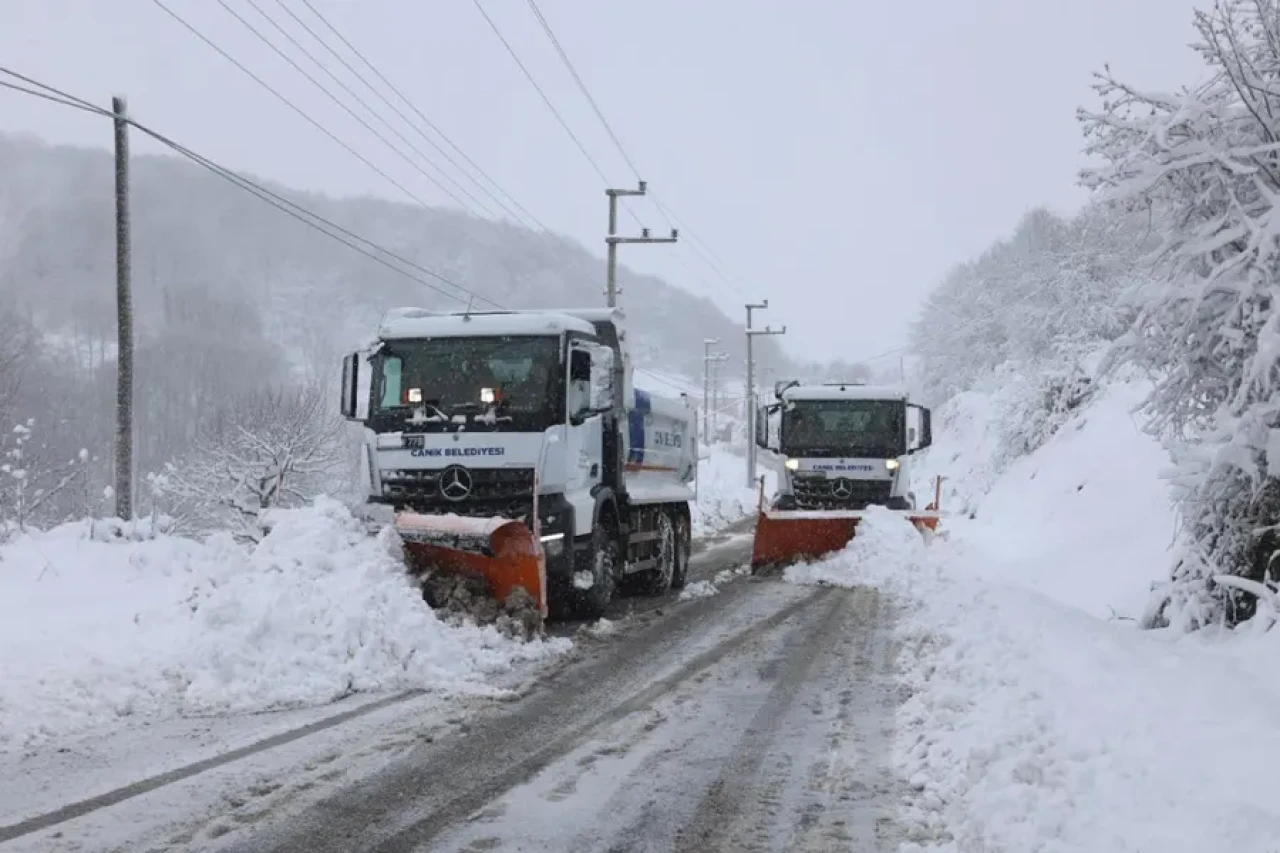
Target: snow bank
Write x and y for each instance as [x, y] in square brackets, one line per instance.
[1084, 518]
[1032, 726]
[723, 496]
[92, 631]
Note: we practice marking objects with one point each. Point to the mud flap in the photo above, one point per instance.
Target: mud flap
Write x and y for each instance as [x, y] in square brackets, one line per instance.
[503, 553]
[784, 537]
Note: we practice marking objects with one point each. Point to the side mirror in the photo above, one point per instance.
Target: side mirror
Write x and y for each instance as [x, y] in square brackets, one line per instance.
[350, 386]
[919, 439]
[762, 427]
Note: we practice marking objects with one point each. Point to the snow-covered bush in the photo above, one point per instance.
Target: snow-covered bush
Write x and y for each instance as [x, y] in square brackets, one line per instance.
[1204, 165]
[274, 448]
[33, 485]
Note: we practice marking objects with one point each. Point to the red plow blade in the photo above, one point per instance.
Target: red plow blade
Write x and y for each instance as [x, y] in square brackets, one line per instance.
[502, 552]
[784, 537]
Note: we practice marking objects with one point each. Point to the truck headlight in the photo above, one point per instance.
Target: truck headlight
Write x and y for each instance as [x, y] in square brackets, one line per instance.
[792, 464]
[891, 464]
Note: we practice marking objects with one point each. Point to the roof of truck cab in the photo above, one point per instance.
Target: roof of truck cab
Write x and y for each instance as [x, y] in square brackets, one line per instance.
[593, 315]
[402, 323]
[844, 392]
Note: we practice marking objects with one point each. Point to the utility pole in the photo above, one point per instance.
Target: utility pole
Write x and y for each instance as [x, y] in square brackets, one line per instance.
[612, 240]
[717, 398]
[707, 344]
[124, 319]
[751, 388]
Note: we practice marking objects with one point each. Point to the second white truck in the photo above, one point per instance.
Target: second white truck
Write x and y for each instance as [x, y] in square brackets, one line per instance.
[846, 447]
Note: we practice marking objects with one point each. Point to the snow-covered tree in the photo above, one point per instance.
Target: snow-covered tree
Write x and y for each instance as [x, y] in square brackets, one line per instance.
[1204, 164]
[272, 448]
[1051, 294]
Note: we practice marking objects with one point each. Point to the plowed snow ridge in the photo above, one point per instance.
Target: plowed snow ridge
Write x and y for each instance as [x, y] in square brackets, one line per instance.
[95, 628]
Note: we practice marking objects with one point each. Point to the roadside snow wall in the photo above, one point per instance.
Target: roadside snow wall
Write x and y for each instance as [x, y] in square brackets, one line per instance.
[95, 626]
[1083, 515]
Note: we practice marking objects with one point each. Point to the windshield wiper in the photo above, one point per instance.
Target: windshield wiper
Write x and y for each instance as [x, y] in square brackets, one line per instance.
[420, 416]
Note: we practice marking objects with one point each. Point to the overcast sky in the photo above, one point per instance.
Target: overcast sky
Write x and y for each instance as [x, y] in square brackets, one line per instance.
[835, 155]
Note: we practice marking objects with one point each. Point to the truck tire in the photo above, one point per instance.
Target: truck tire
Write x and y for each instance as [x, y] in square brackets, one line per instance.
[684, 548]
[658, 580]
[593, 602]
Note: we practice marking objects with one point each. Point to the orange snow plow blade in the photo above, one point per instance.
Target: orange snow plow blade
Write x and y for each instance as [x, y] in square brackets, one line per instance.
[784, 537]
[504, 553]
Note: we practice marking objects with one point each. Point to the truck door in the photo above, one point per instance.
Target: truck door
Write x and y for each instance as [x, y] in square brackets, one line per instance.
[584, 434]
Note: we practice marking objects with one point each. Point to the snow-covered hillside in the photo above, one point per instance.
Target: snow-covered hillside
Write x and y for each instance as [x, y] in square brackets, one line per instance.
[1040, 717]
[1086, 518]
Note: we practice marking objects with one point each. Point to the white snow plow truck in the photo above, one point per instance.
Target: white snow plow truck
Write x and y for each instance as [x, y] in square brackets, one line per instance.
[847, 446]
[514, 449]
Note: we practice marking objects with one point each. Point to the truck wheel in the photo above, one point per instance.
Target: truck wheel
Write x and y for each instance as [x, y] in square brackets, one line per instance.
[658, 580]
[684, 547]
[594, 601]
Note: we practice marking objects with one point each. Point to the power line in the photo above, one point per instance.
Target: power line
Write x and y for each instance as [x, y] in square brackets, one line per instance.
[290, 104]
[54, 98]
[371, 110]
[309, 217]
[538, 89]
[586, 93]
[338, 100]
[406, 119]
[533, 82]
[564, 57]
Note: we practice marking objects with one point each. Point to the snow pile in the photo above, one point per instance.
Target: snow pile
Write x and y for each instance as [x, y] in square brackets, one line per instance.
[883, 540]
[93, 631]
[723, 496]
[698, 589]
[1033, 726]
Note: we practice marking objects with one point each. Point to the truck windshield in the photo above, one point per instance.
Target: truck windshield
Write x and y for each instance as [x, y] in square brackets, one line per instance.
[868, 429]
[509, 384]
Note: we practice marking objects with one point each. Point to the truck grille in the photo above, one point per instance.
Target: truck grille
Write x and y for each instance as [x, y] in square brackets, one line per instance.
[822, 493]
[507, 492]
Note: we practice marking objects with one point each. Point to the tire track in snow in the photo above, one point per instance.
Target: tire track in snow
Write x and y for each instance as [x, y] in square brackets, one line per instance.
[411, 803]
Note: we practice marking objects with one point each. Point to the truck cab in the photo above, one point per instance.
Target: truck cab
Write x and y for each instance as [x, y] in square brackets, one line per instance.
[845, 446]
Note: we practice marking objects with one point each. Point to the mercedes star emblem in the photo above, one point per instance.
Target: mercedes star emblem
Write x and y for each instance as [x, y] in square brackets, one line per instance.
[842, 489]
[455, 483]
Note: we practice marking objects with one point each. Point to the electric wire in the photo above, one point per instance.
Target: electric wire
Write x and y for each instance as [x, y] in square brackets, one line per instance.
[346, 108]
[695, 244]
[362, 102]
[317, 125]
[518, 213]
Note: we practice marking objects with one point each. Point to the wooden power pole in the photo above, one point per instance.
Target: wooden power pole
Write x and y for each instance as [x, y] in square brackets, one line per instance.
[124, 320]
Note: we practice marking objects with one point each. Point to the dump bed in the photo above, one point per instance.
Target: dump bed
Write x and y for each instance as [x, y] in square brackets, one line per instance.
[661, 448]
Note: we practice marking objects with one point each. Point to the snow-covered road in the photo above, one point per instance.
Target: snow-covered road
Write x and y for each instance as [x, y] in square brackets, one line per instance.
[757, 719]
